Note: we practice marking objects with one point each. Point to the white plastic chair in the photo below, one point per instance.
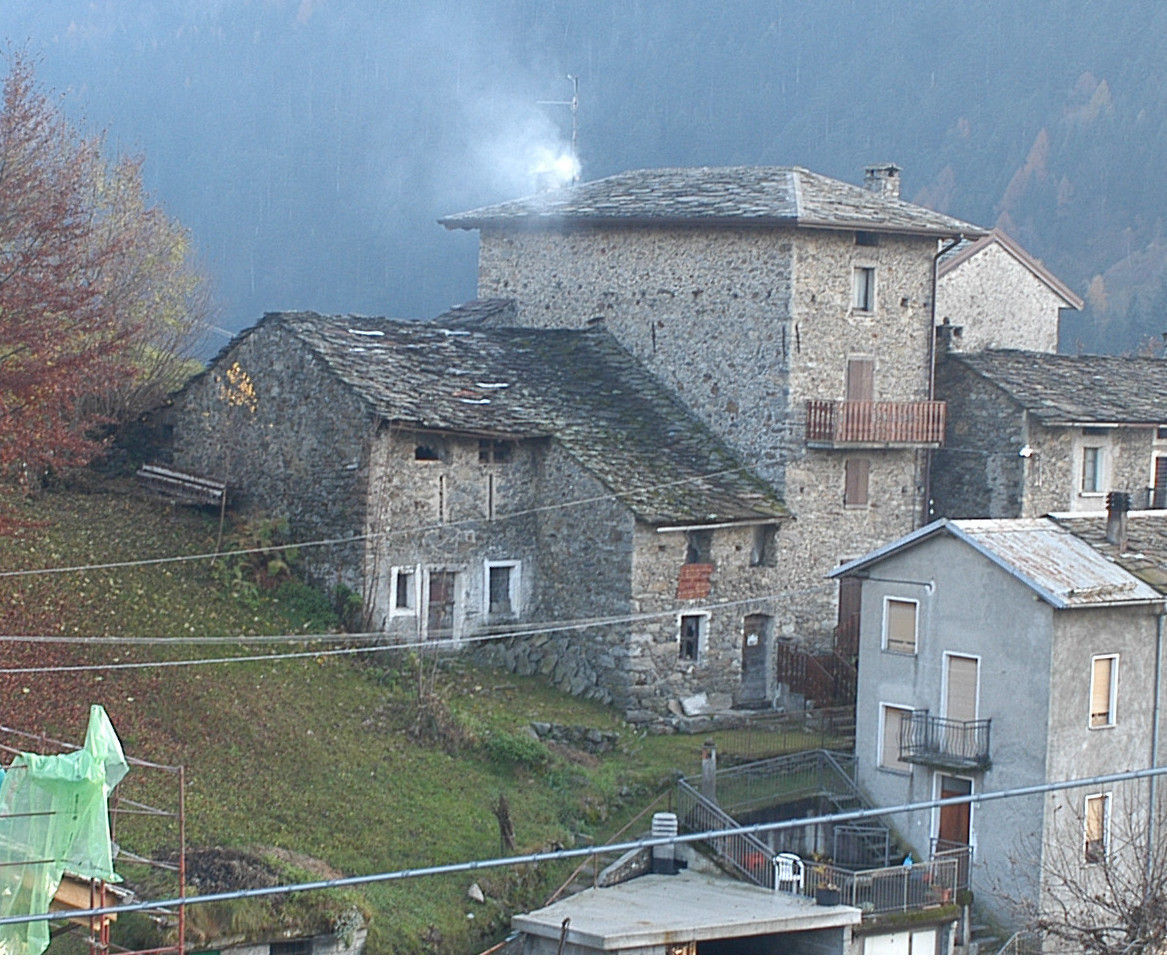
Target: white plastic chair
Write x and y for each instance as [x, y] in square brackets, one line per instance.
[788, 873]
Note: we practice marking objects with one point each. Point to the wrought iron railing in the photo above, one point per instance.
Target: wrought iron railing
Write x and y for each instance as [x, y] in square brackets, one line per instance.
[945, 743]
[880, 422]
[823, 677]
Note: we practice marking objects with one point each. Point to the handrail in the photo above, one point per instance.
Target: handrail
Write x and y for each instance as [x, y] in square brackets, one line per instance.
[744, 852]
[875, 421]
[944, 741]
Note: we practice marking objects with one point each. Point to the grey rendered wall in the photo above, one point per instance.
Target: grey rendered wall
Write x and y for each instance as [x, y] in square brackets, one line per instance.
[303, 454]
[976, 609]
[999, 303]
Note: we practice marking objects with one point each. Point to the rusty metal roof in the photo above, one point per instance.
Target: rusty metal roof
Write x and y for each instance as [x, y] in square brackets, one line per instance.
[1061, 568]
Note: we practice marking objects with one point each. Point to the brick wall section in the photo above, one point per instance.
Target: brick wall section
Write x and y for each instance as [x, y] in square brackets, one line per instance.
[303, 454]
[999, 303]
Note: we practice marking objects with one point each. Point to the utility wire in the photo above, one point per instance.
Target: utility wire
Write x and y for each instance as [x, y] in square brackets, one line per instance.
[622, 847]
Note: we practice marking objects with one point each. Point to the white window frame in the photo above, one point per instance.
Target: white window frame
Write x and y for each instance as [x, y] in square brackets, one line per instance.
[514, 587]
[702, 634]
[868, 272]
[899, 771]
[1099, 477]
[1107, 799]
[887, 601]
[948, 655]
[1112, 715]
[415, 593]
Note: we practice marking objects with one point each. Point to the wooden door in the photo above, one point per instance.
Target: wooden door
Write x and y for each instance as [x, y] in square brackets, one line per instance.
[955, 820]
[847, 631]
[754, 686]
[860, 380]
[962, 676]
[440, 604]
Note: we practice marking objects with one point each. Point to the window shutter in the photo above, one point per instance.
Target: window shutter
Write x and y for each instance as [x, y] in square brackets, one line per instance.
[856, 472]
[901, 626]
[860, 380]
[1100, 692]
[890, 748]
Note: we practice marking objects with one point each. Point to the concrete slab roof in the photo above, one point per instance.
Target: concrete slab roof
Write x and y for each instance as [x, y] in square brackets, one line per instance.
[1061, 568]
[692, 905]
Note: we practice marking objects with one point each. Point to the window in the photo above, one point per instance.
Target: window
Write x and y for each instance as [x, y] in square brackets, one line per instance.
[1091, 469]
[863, 288]
[1097, 827]
[403, 591]
[764, 552]
[855, 476]
[502, 588]
[889, 740]
[899, 625]
[424, 451]
[864, 238]
[1161, 432]
[1103, 687]
[699, 546]
[692, 629]
[494, 451]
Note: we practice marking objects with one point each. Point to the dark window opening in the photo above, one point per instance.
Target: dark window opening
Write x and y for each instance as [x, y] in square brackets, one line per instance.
[1095, 431]
[699, 546]
[495, 451]
[864, 238]
[764, 552]
[425, 452]
[690, 636]
[500, 590]
[403, 599]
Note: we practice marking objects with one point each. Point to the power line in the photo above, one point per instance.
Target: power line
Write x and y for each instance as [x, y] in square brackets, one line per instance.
[622, 847]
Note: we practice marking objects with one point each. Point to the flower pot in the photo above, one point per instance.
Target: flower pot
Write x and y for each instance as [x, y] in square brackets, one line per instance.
[827, 896]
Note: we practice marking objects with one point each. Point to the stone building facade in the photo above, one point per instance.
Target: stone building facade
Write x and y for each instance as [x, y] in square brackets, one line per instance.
[757, 295]
[1033, 433]
[992, 295]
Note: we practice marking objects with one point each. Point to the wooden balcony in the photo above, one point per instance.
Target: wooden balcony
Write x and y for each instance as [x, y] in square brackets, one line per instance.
[943, 743]
[834, 424]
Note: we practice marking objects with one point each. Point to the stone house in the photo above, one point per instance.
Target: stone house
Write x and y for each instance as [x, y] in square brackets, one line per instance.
[792, 313]
[1032, 433]
[537, 489]
[992, 294]
[1054, 679]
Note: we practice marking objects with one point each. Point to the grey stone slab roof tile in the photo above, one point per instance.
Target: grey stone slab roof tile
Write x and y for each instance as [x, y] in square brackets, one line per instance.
[718, 195]
[578, 386]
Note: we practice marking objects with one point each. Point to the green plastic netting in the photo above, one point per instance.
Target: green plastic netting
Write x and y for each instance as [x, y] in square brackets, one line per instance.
[53, 818]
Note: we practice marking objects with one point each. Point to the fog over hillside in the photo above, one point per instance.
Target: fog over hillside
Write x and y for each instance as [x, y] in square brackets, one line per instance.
[310, 145]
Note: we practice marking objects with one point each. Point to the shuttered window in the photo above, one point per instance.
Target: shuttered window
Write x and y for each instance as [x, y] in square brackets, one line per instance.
[962, 688]
[1103, 684]
[1097, 827]
[899, 624]
[855, 482]
[889, 747]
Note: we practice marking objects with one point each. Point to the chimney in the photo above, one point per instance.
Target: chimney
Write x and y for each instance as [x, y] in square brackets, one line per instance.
[664, 855]
[883, 179]
[1117, 505]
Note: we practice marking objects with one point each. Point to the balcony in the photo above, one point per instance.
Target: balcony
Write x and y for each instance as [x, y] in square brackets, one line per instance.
[839, 424]
[958, 745]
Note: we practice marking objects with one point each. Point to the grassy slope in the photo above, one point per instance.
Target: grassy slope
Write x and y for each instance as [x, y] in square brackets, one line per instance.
[314, 754]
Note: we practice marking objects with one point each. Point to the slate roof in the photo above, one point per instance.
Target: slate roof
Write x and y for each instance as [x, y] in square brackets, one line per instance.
[1059, 389]
[1146, 542]
[966, 249]
[719, 196]
[1062, 569]
[578, 386]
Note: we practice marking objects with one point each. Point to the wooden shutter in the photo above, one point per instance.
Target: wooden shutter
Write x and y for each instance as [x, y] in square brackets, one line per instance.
[1096, 828]
[962, 688]
[1100, 688]
[856, 472]
[889, 755]
[860, 380]
[901, 626]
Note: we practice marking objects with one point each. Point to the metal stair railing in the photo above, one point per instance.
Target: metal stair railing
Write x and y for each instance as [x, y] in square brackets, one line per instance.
[742, 853]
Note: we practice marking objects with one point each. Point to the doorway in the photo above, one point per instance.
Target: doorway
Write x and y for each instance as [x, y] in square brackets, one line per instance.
[754, 689]
[441, 603]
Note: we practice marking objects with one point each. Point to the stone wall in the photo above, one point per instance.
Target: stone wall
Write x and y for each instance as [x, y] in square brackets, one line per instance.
[302, 453]
[999, 303]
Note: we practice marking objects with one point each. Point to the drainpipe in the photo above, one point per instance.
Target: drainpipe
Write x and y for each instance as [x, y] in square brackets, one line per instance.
[1152, 793]
[927, 513]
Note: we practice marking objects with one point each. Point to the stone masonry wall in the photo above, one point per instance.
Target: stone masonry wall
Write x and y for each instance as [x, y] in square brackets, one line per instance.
[302, 454]
[999, 303]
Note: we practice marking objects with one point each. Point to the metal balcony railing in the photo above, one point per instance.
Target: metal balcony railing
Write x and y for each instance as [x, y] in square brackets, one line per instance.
[944, 743]
[870, 423]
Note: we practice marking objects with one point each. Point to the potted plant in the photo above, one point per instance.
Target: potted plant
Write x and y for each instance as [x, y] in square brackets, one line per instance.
[826, 891]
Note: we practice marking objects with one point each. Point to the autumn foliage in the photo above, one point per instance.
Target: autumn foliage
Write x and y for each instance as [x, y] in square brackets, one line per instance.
[97, 296]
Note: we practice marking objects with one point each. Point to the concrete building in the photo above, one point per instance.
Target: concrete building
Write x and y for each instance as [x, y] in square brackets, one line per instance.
[1031, 433]
[790, 312]
[1006, 653]
[991, 294]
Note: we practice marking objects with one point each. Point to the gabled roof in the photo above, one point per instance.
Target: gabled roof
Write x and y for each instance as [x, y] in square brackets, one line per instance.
[966, 249]
[1145, 553]
[578, 386]
[1065, 571]
[697, 196]
[1059, 389]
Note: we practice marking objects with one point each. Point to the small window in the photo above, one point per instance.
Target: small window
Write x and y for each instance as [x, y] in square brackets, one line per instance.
[502, 588]
[495, 451]
[889, 742]
[863, 289]
[423, 451]
[1097, 832]
[1161, 432]
[865, 238]
[1091, 469]
[691, 632]
[899, 625]
[764, 551]
[856, 472]
[699, 546]
[1103, 687]
[403, 588]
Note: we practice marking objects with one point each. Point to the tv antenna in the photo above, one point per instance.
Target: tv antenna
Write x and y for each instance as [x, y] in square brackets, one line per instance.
[573, 103]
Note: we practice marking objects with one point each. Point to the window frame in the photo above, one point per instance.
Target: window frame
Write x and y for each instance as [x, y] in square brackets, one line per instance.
[1098, 474]
[702, 618]
[1097, 856]
[1112, 694]
[764, 545]
[514, 588]
[901, 768]
[885, 639]
[395, 574]
[862, 477]
[863, 291]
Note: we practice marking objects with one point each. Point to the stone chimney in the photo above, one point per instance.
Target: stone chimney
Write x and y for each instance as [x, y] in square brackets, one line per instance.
[883, 179]
[1117, 506]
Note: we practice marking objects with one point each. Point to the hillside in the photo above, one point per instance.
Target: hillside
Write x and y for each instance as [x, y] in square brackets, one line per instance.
[315, 755]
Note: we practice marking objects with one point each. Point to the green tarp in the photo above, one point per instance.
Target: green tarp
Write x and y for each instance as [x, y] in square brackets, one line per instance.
[62, 823]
